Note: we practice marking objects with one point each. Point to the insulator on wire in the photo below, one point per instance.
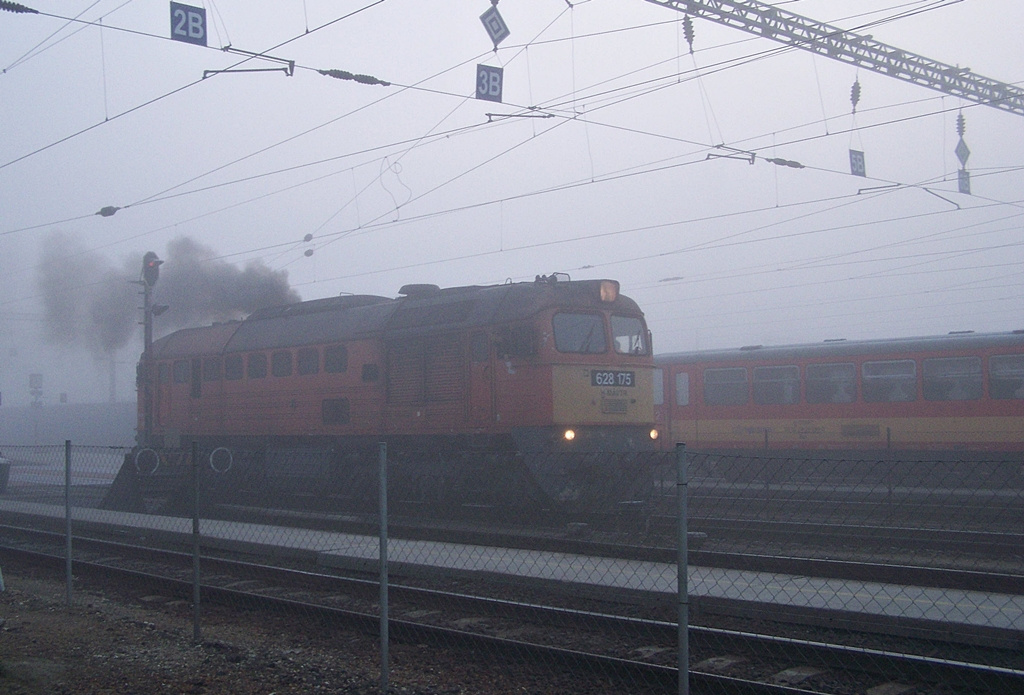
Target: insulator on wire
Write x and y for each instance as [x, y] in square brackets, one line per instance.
[688, 31]
[15, 7]
[346, 75]
[961, 125]
[779, 161]
[855, 94]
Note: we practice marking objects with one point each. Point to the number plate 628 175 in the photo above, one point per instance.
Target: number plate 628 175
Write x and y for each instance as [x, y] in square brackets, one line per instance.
[612, 378]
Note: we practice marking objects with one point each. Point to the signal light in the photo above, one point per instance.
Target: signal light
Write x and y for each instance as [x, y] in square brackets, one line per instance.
[569, 435]
[654, 435]
[150, 268]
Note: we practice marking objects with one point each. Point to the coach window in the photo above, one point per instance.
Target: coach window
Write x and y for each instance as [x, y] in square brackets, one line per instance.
[1006, 377]
[890, 381]
[777, 385]
[683, 388]
[308, 361]
[257, 366]
[659, 386]
[831, 383]
[233, 367]
[281, 363]
[579, 333]
[180, 372]
[952, 378]
[628, 335]
[335, 359]
[211, 369]
[726, 386]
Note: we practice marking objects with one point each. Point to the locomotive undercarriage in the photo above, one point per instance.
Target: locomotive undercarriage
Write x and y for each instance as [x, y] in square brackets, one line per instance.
[427, 476]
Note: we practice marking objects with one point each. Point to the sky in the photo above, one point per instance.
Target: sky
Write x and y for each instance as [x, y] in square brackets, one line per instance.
[615, 152]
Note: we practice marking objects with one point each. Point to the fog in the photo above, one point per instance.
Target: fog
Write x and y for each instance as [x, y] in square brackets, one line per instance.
[616, 152]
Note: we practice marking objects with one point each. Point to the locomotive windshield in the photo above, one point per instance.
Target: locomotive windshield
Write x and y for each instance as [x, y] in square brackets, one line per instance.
[628, 334]
[584, 333]
[579, 333]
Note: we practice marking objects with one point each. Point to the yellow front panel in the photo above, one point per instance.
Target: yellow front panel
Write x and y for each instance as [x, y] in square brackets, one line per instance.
[602, 395]
[923, 431]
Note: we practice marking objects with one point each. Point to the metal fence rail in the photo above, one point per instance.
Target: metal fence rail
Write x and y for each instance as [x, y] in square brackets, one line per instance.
[863, 541]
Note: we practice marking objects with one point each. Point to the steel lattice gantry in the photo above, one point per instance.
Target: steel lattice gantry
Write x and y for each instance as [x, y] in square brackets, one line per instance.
[832, 42]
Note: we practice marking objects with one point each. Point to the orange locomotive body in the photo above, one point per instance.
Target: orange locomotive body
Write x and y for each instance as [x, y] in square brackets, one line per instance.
[945, 397]
[448, 378]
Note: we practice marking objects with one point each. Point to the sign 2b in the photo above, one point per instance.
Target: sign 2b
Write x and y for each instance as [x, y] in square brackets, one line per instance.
[188, 23]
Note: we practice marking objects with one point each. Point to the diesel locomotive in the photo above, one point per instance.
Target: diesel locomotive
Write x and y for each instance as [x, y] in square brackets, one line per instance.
[519, 395]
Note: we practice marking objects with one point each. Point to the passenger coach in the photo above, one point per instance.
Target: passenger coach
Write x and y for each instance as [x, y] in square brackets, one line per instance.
[945, 396]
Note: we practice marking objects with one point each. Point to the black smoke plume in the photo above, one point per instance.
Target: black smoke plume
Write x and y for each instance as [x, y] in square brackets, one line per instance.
[92, 303]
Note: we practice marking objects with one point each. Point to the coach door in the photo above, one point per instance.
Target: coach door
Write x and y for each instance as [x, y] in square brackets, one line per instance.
[481, 385]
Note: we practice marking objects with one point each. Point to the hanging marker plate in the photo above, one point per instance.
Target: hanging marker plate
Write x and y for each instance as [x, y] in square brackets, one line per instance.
[964, 181]
[188, 24]
[857, 167]
[489, 82]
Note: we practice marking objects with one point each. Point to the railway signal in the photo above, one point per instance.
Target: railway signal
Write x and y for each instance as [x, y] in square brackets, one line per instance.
[150, 268]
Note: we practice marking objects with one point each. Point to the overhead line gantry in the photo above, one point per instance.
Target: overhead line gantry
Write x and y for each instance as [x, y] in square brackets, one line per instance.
[849, 47]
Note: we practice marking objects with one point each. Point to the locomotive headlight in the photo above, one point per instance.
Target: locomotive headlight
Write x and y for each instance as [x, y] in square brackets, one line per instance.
[654, 435]
[609, 290]
[569, 435]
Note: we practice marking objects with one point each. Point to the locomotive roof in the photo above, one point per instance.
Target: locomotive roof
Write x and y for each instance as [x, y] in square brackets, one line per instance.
[423, 309]
[954, 342]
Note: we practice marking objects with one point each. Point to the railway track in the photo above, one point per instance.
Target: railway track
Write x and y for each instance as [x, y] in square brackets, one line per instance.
[578, 633]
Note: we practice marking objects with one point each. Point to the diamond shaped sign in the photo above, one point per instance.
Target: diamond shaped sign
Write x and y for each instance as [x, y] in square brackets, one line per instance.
[962, 152]
[495, 25]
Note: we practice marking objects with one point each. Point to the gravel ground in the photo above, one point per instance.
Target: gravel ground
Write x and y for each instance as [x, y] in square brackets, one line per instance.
[113, 642]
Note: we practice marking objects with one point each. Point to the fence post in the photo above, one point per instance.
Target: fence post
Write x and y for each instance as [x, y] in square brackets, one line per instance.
[196, 636]
[67, 518]
[682, 568]
[384, 660]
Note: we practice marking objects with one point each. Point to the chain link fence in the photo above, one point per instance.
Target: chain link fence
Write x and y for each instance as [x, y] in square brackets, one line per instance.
[573, 567]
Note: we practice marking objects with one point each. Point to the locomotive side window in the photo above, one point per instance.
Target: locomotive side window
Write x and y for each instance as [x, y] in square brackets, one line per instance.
[777, 385]
[335, 359]
[211, 369]
[831, 383]
[683, 388]
[628, 335]
[233, 367]
[308, 361]
[726, 386]
[891, 381]
[257, 368]
[1006, 377]
[281, 363]
[952, 378]
[659, 387]
[180, 371]
[582, 333]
